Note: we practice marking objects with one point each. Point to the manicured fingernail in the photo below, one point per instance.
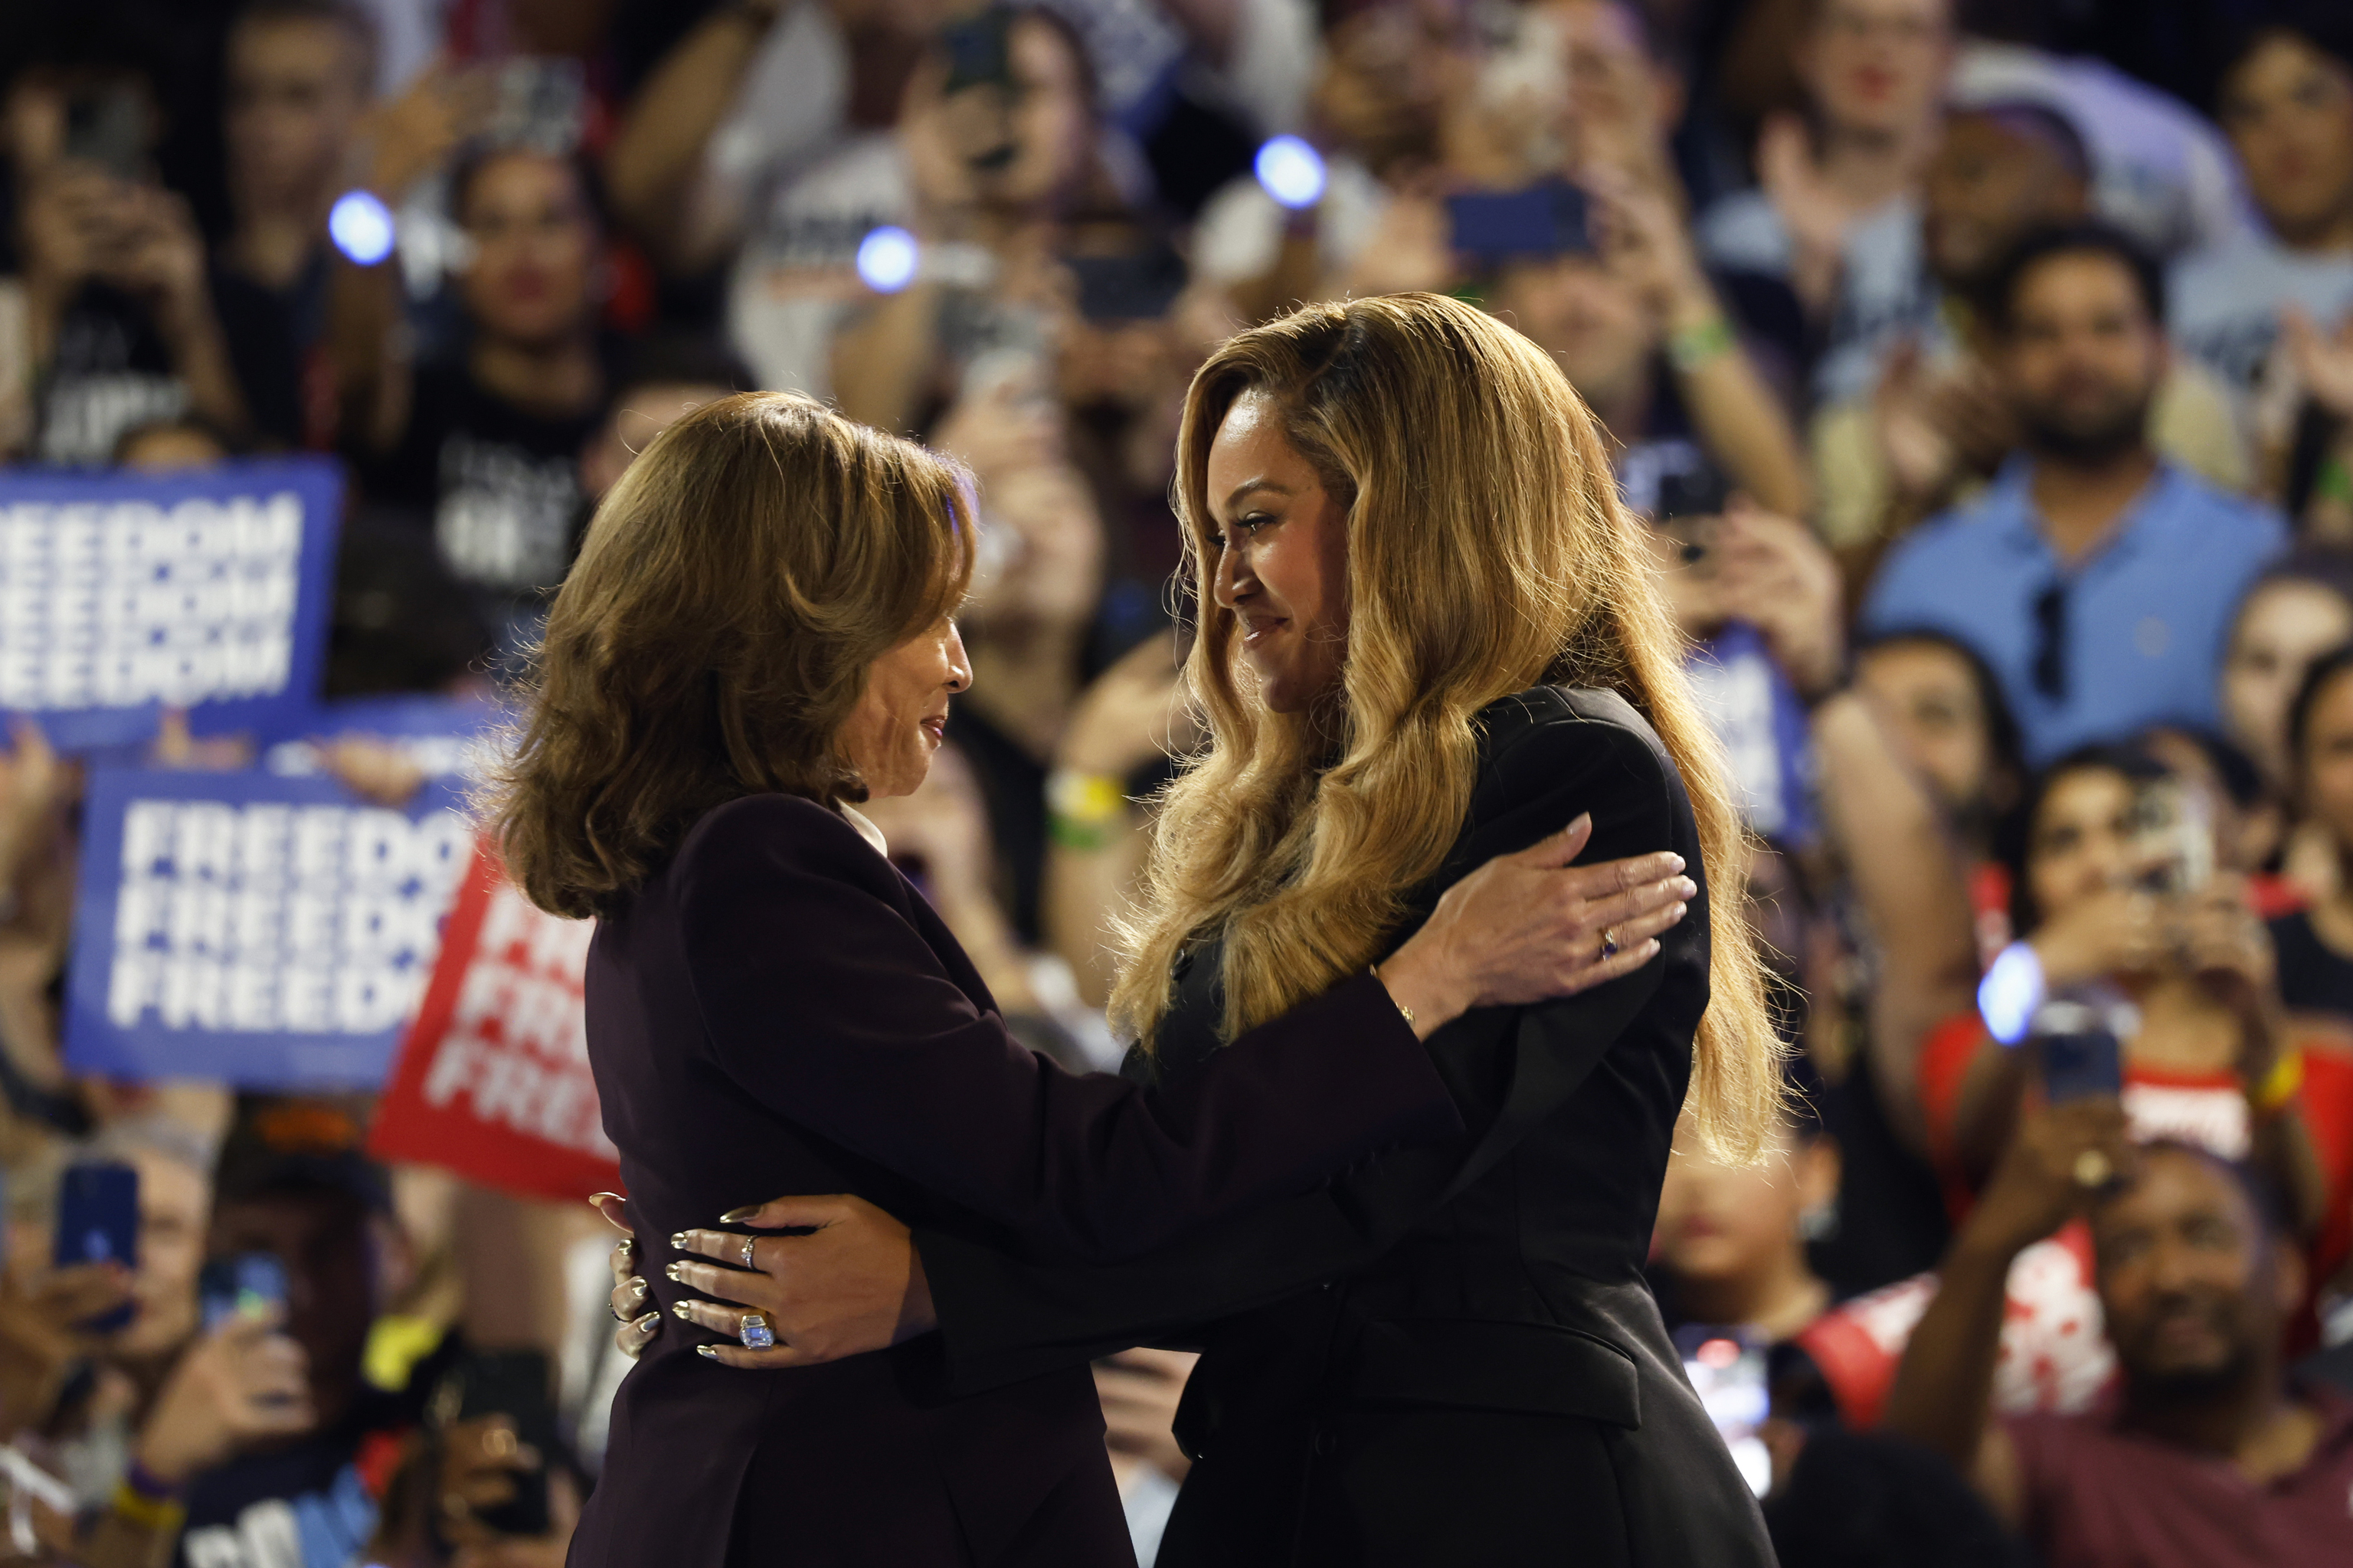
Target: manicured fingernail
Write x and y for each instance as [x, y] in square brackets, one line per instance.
[1674, 860]
[1680, 911]
[678, 1241]
[671, 1273]
[737, 1216]
[627, 1243]
[680, 1310]
[1687, 887]
[708, 1352]
[639, 1286]
[647, 1324]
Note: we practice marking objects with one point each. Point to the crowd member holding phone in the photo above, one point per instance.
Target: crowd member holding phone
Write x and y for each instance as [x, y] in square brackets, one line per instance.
[2207, 1454]
[120, 320]
[2117, 901]
[1602, 276]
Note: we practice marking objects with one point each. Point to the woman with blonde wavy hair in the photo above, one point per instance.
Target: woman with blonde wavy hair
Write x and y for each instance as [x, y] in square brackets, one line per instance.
[1428, 636]
[756, 636]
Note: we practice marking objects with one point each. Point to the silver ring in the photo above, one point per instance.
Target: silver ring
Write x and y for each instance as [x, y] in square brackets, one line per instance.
[755, 1332]
[747, 1252]
[1608, 942]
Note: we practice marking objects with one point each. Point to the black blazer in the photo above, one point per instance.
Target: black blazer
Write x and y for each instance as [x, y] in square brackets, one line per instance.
[1450, 1355]
[779, 1010]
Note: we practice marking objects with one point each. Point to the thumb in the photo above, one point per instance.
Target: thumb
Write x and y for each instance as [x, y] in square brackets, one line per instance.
[616, 1210]
[780, 1214]
[1560, 848]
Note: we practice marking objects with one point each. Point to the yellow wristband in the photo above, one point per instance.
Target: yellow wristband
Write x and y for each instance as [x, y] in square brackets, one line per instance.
[157, 1516]
[1083, 810]
[2280, 1084]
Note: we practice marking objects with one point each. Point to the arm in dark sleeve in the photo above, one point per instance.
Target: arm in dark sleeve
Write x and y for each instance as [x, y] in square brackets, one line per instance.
[823, 1002]
[1004, 1318]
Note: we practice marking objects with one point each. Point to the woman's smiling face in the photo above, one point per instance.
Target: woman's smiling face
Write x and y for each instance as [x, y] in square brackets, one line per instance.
[1282, 567]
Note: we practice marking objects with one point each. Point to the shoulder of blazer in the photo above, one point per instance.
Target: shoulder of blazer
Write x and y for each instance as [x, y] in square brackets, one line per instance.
[752, 836]
[1534, 741]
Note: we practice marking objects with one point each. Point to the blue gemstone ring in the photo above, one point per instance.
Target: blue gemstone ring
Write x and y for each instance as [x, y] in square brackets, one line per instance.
[1608, 942]
[755, 1333]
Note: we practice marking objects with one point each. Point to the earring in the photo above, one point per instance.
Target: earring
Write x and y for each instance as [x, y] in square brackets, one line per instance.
[1819, 1223]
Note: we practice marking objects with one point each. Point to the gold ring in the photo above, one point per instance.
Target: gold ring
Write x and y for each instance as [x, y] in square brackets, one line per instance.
[747, 1252]
[2093, 1170]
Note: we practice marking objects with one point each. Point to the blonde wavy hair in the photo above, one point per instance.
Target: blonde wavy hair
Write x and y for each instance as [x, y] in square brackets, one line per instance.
[734, 590]
[1487, 553]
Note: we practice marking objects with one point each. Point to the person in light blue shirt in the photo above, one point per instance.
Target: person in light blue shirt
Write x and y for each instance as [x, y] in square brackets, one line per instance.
[2286, 100]
[2096, 580]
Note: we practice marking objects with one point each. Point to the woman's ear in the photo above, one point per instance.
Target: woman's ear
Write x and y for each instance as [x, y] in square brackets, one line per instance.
[1818, 1167]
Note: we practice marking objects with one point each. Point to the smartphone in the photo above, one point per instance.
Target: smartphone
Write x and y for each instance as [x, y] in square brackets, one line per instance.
[2078, 1051]
[108, 126]
[1726, 1368]
[1547, 219]
[979, 50]
[245, 1284]
[517, 1384]
[1131, 288]
[2175, 834]
[98, 1222]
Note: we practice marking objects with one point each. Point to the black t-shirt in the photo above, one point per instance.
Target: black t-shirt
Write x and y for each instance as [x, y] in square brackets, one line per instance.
[311, 1504]
[269, 331]
[2312, 978]
[111, 372]
[500, 483]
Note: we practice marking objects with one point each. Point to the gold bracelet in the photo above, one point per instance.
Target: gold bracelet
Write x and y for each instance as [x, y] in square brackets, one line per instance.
[1403, 1011]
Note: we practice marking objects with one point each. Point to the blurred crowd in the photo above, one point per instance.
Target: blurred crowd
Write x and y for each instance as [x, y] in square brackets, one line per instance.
[1982, 373]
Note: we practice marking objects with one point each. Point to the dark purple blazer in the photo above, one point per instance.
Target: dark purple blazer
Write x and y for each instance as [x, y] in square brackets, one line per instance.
[779, 1010]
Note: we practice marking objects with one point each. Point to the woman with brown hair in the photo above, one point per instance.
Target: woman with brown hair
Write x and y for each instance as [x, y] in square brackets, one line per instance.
[757, 636]
[1428, 636]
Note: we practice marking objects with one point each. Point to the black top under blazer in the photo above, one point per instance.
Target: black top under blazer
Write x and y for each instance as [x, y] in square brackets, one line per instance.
[1448, 1356]
[779, 1010]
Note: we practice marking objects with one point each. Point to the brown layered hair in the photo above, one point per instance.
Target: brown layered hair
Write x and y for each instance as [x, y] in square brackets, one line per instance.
[734, 590]
[1487, 553]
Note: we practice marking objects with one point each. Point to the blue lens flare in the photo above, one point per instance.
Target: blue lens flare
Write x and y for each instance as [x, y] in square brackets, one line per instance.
[2011, 993]
[361, 227]
[1291, 171]
[886, 259]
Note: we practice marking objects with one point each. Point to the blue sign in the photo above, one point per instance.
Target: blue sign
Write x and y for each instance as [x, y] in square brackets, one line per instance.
[121, 594]
[445, 737]
[269, 932]
[1757, 716]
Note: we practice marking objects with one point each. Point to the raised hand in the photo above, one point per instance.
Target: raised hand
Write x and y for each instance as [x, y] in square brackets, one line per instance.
[243, 1382]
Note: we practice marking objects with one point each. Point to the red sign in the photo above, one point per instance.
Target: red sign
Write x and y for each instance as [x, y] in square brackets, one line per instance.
[492, 1081]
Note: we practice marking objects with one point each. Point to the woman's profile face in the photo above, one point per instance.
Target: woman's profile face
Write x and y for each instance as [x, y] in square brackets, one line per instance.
[1927, 697]
[891, 736]
[2285, 626]
[2329, 757]
[1281, 565]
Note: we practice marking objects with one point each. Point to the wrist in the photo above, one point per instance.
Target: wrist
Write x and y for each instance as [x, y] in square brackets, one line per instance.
[162, 1468]
[1085, 809]
[1698, 342]
[1420, 989]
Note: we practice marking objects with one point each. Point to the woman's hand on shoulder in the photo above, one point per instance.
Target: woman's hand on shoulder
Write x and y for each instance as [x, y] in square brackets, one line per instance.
[852, 1283]
[1531, 926]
